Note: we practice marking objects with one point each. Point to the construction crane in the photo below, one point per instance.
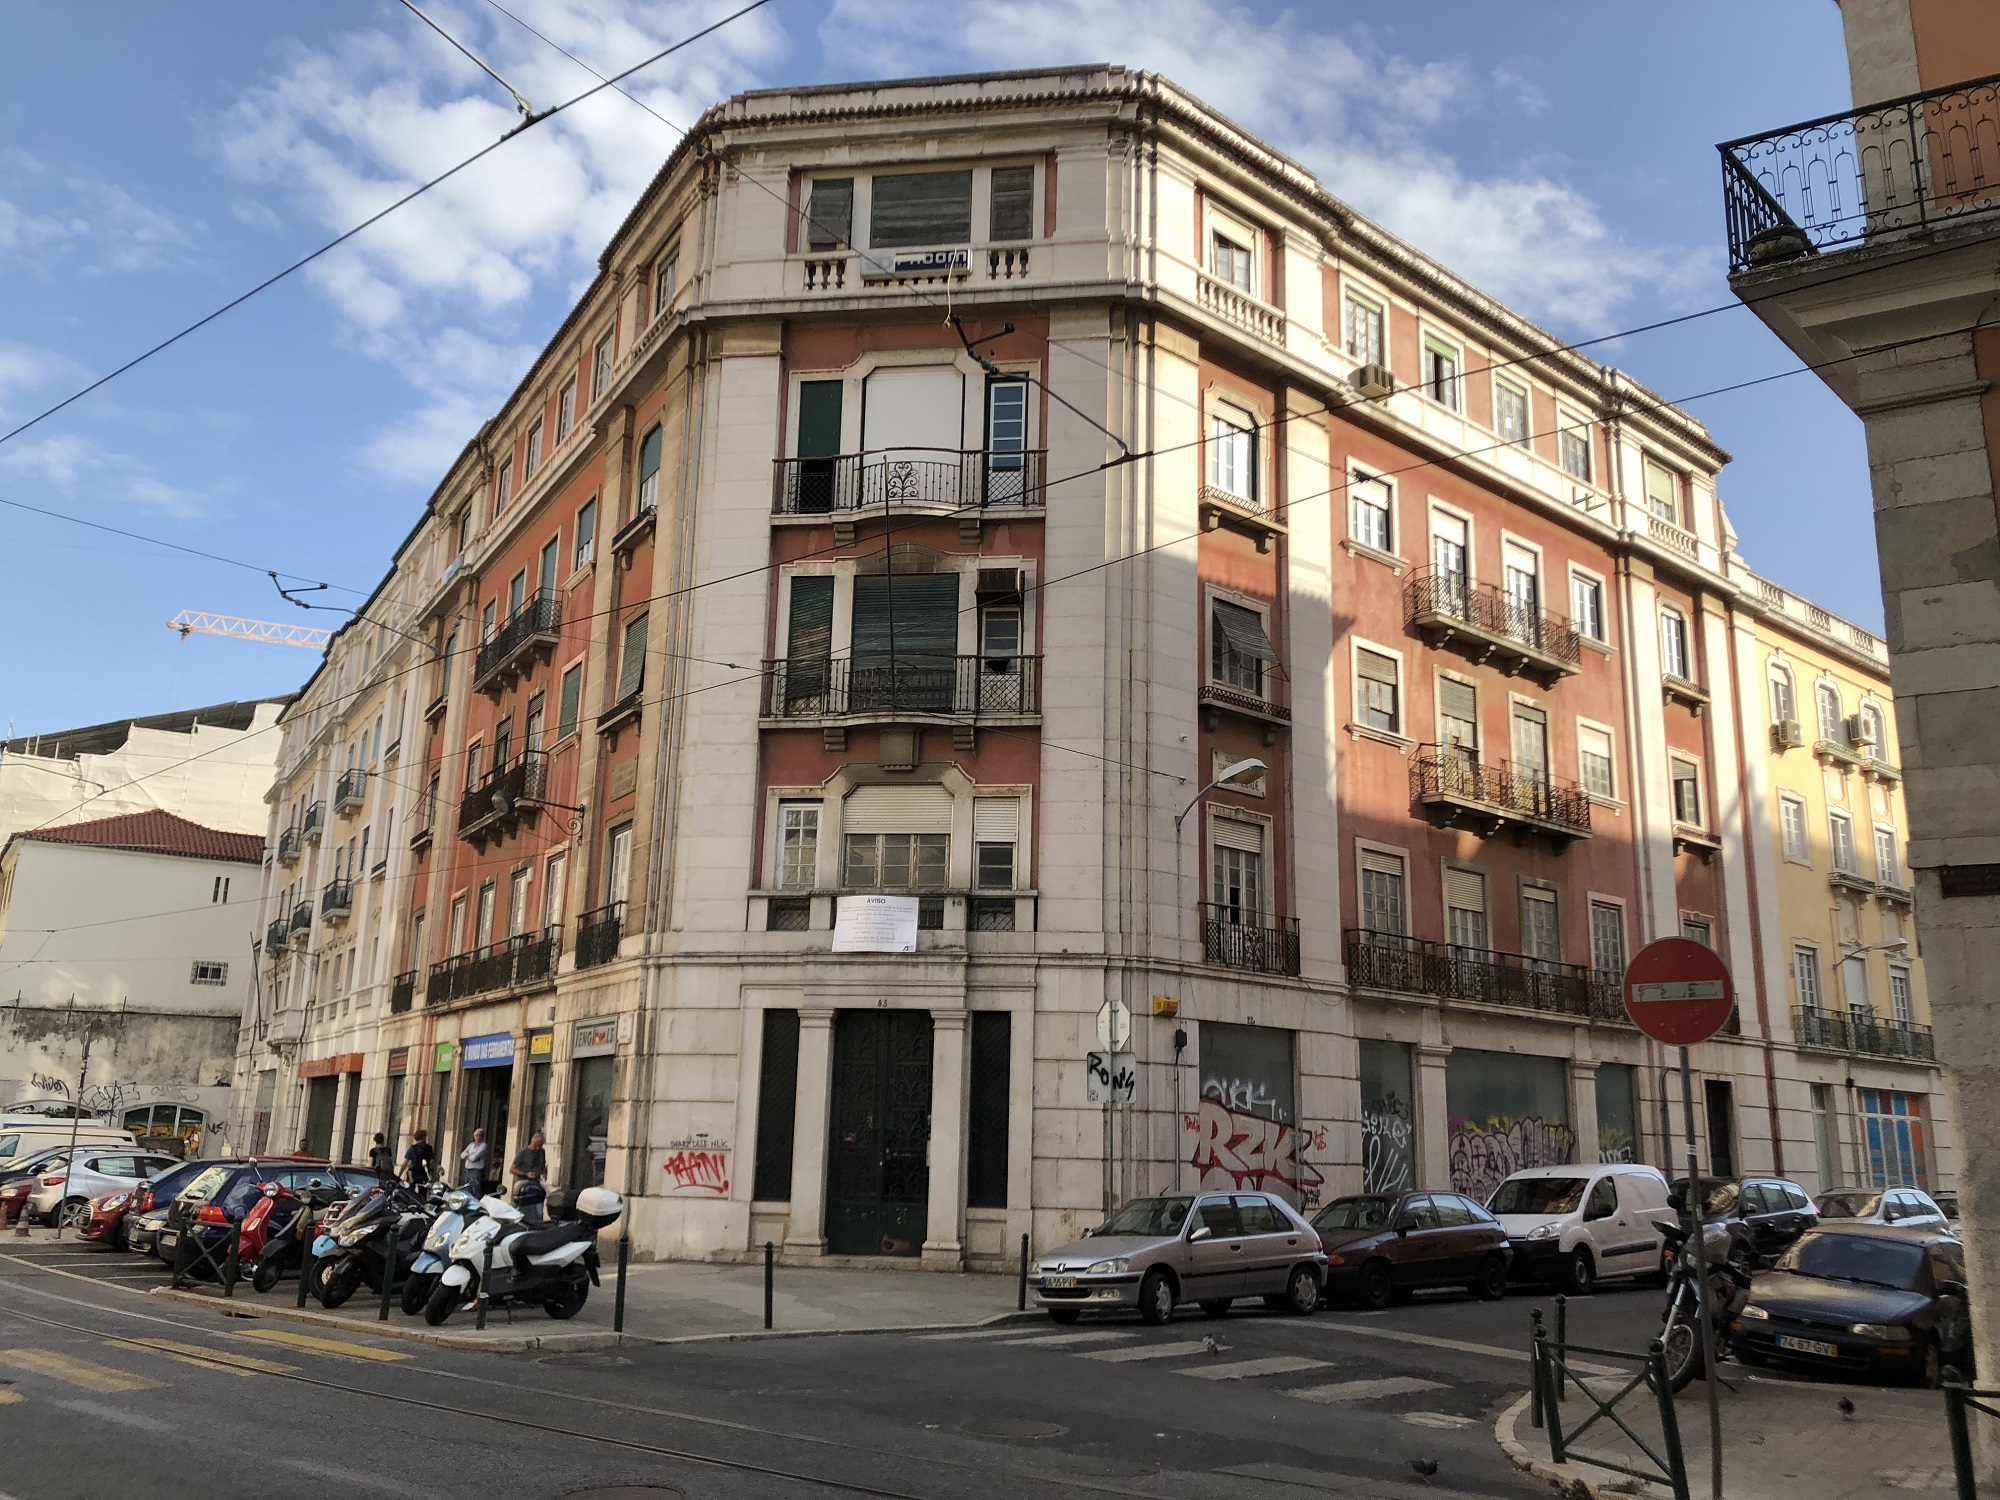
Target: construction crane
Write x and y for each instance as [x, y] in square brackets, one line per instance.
[193, 622]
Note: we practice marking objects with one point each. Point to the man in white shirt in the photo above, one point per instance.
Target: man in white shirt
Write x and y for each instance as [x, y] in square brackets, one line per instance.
[473, 1160]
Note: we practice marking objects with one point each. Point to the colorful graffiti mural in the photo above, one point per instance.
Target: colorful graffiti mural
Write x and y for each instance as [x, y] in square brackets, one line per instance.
[1484, 1154]
[1388, 1145]
[1232, 1150]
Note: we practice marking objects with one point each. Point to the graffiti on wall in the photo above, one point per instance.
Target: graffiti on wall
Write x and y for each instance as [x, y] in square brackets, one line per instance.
[1485, 1154]
[1242, 1096]
[697, 1164]
[1232, 1150]
[1388, 1139]
[1615, 1145]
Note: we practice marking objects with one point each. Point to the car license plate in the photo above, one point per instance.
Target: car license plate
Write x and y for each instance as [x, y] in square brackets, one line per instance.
[1058, 1283]
[1808, 1346]
[169, 1239]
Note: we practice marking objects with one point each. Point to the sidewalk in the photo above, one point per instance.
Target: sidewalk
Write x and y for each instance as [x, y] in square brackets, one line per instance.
[1781, 1439]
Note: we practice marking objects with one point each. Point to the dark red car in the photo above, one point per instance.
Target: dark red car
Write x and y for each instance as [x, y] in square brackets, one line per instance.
[1380, 1247]
[106, 1219]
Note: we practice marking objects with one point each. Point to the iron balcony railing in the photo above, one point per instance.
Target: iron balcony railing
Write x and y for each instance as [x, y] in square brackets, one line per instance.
[337, 899]
[1862, 1032]
[1495, 618]
[504, 793]
[973, 479]
[1418, 966]
[1447, 774]
[314, 820]
[274, 936]
[290, 843]
[597, 935]
[1237, 939]
[526, 959]
[302, 917]
[350, 789]
[956, 686]
[402, 992]
[537, 622]
[1841, 180]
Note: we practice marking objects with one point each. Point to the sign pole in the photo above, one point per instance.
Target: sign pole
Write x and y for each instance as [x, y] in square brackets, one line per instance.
[1697, 1201]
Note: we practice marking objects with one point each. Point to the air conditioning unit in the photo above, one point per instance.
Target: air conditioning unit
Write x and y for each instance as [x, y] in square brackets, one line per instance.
[286, 1027]
[1373, 380]
[1856, 727]
[1787, 734]
[998, 583]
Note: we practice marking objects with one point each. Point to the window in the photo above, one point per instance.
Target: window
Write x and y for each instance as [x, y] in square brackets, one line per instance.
[666, 281]
[503, 489]
[830, 214]
[777, 1106]
[1541, 932]
[537, 712]
[532, 460]
[1573, 446]
[996, 833]
[1238, 647]
[517, 902]
[517, 593]
[1510, 412]
[1872, 738]
[566, 409]
[649, 472]
[549, 565]
[1698, 930]
[1887, 866]
[1376, 698]
[1586, 603]
[798, 846]
[220, 893]
[457, 926]
[552, 891]
[482, 922]
[1450, 538]
[586, 533]
[1465, 910]
[896, 861]
[1687, 792]
[1663, 492]
[920, 208]
[1593, 748]
[1826, 699]
[1232, 453]
[1441, 373]
[1902, 1001]
[1013, 206]
[989, 1108]
[600, 366]
[209, 971]
[1531, 747]
[1784, 703]
[1522, 572]
[570, 705]
[1607, 939]
[1384, 899]
[1792, 828]
[632, 661]
[1824, 1130]
[1364, 329]
[1369, 507]
[472, 765]
[1237, 870]
[1674, 644]
[1230, 261]
[1841, 831]
[1805, 976]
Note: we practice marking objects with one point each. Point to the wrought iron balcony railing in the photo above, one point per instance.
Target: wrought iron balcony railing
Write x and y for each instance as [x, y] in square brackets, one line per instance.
[1461, 788]
[954, 687]
[337, 898]
[527, 959]
[274, 937]
[1418, 966]
[302, 920]
[314, 820]
[402, 992]
[597, 935]
[1236, 939]
[1485, 621]
[503, 795]
[350, 789]
[1843, 180]
[938, 478]
[1863, 1032]
[290, 843]
[535, 626]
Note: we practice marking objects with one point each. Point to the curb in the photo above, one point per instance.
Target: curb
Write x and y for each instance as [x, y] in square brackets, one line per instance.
[1566, 1477]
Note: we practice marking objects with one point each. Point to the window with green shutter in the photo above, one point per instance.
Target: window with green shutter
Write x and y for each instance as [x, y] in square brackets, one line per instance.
[905, 642]
[632, 663]
[920, 208]
[1013, 203]
[808, 644]
[830, 214]
[819, 444]
[649, 472]
[571, 703]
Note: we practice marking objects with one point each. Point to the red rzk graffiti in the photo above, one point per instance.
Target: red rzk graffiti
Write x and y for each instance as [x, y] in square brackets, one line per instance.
[1247, 1151]
[700, 1169]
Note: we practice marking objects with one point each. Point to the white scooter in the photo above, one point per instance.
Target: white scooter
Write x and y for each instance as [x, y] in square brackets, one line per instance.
[553, 1267]
[458, 1208]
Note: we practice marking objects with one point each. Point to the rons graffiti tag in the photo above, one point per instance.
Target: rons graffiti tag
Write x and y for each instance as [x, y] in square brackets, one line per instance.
[1250, 1152]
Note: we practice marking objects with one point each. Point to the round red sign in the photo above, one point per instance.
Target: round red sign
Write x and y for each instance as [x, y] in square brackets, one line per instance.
[1677, 991]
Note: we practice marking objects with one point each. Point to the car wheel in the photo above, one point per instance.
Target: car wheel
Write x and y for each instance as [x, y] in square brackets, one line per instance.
[74, 1213]
[1065, 1315]
[1930, 1366]
[1215, 1307]
[1302, 1292]
[1490, 1285]
[266, 1277]
[1579, 1276]
[1375, 1286]
[1156, 1297]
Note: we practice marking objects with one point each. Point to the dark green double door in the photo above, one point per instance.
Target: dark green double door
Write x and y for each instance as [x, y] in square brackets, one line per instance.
[878, 1160]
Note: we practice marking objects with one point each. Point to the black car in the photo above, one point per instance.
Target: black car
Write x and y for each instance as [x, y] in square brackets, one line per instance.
[216, 1200]
[1382, 1246]
[1766, 1213]
[1862, 1299]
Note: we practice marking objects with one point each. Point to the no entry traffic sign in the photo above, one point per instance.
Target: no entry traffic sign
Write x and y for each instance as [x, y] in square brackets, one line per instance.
[1677, 991]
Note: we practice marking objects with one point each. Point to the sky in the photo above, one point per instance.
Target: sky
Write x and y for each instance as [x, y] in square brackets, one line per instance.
[157, 161]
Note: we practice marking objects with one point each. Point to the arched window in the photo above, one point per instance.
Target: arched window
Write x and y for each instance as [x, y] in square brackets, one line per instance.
[1827, 696]
[1784, 704]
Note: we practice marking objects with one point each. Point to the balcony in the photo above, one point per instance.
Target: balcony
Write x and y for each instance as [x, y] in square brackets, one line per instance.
[1897, 168]
[274, 937]
[527, 961]
[530, 632]
[314, 822]
[939, 481]
[1840, 753]
[1860, 1033]
[1486, 624]
[301, 924]
[504, 796]
[1418, 966]
[924, 687]
[1851, 881]
[1221, 508]
[336, 900]
[291, 843]
[349, 791]
[1894, 895]
[1457, 790]
[1234, 305]
[1229, 940]
[598, 933]
[402, 992]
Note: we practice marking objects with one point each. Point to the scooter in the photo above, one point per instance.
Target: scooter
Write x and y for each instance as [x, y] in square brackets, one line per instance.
[456, 1209]
[553, 1268]
[1730, 1262]
[356, 1247]
[275, 1232]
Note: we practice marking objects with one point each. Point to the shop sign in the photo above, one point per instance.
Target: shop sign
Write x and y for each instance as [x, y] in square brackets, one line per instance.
[442, 1062]
[495, 1051]
[541, 1044]
[594, 1039]
[399, 1060]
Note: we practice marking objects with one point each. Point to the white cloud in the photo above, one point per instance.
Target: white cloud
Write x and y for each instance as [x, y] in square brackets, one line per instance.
[23, 369]
[69, 464]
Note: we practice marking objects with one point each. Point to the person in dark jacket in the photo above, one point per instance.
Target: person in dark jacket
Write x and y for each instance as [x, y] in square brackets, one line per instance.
[420, 1160]
[381, 1158]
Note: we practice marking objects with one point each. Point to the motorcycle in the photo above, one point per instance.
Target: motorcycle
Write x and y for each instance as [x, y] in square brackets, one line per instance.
[552, 1267]
[355, 1247]
[275, 1232]
[456, 1209]
[1730, 1263]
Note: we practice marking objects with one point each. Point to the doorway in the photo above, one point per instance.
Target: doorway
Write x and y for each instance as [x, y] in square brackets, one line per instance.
[1721, 1099]
[878, 1158]
[321, 1096]
[485, 1094]
[589, 1122]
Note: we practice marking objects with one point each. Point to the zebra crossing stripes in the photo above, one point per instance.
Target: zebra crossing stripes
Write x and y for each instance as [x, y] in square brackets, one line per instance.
[1365, 1390]
[965, 1334]
[1064, 1340]
[1245, 1369]
[1144, 1351]
[103, 1379]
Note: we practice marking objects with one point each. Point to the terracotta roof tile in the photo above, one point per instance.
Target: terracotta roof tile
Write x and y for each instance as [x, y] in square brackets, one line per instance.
[156, 833]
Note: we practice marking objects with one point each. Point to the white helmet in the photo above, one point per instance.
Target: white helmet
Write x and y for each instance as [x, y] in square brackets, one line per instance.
[599, 1203]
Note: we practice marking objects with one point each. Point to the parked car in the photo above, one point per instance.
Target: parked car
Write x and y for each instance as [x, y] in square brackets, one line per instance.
[62, 1196]
[1764, 1213]
[1947, 1203]
[1882, 1206]
[146, 1214]
[1575, 1226]
[1862, 1299]
[1380, 1247]
[22, 1136]
[105, 1221]
[1209, 1248]
[18, 1181]
[220, 1197]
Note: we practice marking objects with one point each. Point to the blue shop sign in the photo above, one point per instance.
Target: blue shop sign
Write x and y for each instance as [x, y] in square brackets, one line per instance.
[496, 1051]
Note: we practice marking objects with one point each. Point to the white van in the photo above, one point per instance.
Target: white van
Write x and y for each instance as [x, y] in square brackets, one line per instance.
[1574, 1226]
[24, 1135]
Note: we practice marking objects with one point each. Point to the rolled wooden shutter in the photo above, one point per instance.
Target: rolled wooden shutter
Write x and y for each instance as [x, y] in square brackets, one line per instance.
[1235, 833]
[632, 664]
[996, 820]
[897, 809]
[1464, 890]
[1381, 864]
[1458, 700]
[810, 636]
[1374, 666]
[909, 616]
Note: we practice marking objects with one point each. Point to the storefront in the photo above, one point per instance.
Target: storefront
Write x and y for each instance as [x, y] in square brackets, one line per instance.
[593, 1072]
[486, 1092]
[1892, 1135]
[395, 1089]
[1618, 1113]
[1244, 1131]
[1388, 1118]
[1505, 1111]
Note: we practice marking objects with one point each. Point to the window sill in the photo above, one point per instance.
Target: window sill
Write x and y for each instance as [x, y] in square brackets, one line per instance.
[1402, 743]
[635, 530]
[1375, 554]
[1602, 648]
[620, 715]
[1614, 803]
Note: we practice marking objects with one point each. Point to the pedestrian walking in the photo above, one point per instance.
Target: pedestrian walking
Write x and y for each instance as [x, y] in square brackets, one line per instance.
[473, 1160]
[382, 1156]
[420, 1160]
[531, 1172]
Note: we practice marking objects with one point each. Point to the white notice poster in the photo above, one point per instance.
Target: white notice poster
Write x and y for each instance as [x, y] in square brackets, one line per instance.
[875, 924]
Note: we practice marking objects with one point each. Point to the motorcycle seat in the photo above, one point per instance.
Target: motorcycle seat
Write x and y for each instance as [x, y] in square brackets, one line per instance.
[525, 1247]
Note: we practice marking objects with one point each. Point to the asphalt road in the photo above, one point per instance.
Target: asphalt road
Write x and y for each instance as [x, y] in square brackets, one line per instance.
[104, 1391]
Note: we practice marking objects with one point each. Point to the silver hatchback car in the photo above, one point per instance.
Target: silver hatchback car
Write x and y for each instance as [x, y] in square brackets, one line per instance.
[1207, 1248]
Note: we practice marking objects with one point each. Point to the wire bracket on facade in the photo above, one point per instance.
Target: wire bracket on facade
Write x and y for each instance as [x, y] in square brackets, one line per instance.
[985, 362]
[528, 114]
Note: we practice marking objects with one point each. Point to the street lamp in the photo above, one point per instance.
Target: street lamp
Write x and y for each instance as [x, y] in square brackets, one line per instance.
[1232, 775]
[1888, 945]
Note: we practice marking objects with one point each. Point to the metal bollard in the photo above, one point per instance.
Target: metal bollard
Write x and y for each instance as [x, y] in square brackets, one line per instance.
[231, 1268]
[1562, 1342]
[1956, 1394]
[1021, 1297]
[308, 1262]
[485, 1281]
[770, 1257]
[618, 1303]
[388, 1271]
[1535, 1345]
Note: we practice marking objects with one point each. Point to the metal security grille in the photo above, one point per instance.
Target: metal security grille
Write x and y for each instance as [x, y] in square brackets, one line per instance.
[878, 1173]
[986, 1134]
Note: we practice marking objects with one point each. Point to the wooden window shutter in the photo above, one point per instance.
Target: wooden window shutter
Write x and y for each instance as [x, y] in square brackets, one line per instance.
[1464, 890]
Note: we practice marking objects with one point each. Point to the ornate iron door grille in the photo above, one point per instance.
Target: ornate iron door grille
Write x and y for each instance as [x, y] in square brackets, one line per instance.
[878, 1162]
